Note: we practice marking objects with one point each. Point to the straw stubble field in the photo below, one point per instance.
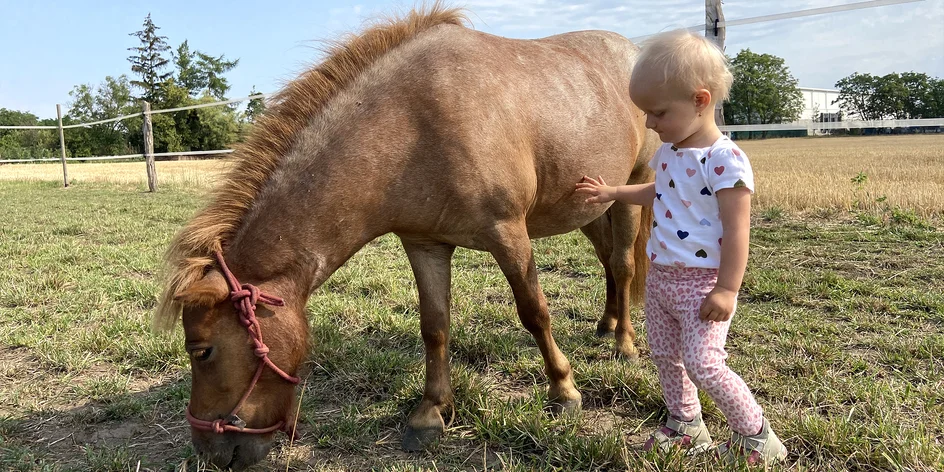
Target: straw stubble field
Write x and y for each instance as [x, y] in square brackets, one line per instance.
[840, 331]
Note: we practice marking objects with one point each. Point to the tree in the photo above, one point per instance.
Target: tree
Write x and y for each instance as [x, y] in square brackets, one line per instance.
[857, 96]
[149, 61]
[892, 97]
[255, 107]
[110, 99]
[212, 69]
[26, 143]
[202, 73]
[921, 101]
[935, 105]
[764, 91]
[188, 76]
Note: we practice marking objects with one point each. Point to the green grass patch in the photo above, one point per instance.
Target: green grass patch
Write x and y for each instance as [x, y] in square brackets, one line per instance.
[840, 334]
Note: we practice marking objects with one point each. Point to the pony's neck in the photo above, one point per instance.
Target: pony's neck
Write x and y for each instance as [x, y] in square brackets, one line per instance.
[299, 236]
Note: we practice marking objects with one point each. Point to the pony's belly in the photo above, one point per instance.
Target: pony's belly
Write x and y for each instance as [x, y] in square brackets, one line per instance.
[563, 219]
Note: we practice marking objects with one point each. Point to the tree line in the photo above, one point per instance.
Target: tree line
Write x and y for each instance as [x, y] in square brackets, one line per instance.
[764, 92]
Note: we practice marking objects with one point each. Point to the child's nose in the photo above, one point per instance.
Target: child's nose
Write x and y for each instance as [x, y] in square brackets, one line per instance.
[650, 122]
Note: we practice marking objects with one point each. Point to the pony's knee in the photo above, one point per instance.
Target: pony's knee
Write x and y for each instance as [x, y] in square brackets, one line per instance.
[621, 265]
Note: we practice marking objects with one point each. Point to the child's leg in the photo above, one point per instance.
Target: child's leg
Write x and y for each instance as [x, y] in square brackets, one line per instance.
[704, 358]
[664, 334]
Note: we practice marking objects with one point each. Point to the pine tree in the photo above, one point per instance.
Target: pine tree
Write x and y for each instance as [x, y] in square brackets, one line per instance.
[149, 61]
[188, 76]
[213, 69]
[255, 107]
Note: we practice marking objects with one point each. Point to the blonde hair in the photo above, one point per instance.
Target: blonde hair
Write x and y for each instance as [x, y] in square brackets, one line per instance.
[688, 62]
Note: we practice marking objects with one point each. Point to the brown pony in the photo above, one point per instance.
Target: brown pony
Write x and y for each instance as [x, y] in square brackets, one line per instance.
[430, 130]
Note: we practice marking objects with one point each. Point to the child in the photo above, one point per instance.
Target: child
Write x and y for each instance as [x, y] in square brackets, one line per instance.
[698, 247]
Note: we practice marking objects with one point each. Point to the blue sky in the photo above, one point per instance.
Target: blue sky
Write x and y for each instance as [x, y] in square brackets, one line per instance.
[46, 48]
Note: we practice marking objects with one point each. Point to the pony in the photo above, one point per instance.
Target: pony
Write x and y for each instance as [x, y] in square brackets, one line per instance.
[443, 135]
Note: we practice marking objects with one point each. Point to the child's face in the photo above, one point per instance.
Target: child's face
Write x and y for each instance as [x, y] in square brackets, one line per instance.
[673, 114]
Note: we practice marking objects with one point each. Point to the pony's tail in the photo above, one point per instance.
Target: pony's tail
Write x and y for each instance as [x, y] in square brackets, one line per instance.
[642, 173]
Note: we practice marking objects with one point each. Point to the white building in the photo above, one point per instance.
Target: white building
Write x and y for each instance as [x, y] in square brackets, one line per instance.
[817, 101]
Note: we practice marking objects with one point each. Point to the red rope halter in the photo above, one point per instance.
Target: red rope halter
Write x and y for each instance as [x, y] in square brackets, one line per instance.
[245, 297]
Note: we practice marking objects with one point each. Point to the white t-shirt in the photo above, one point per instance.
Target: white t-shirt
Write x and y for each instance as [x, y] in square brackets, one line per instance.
[686, 231]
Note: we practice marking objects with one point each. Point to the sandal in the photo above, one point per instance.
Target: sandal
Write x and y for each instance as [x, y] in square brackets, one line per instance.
[689, 435]
[762, 448]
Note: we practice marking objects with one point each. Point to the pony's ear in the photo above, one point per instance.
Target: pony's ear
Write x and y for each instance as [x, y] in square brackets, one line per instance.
[208, 291]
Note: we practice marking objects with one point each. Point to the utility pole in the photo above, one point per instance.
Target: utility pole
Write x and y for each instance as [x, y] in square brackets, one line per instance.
[715, 33]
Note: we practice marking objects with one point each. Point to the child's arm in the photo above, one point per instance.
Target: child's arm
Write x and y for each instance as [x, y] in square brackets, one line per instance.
[600, 192]
[735, 207]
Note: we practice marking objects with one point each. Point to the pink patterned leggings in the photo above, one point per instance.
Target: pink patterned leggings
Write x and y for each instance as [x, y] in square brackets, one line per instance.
[689, 352]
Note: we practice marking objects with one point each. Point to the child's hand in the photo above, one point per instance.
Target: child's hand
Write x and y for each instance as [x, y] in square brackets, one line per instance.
[599, 191]
[718, 305]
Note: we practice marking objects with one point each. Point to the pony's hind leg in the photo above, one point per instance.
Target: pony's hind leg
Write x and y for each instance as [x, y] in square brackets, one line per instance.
[431, 263]
[599, 232]
[511, 248]
[613, 236]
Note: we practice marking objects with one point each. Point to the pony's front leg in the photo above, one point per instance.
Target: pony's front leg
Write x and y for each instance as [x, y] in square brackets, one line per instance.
[511, 248]
[431, 263]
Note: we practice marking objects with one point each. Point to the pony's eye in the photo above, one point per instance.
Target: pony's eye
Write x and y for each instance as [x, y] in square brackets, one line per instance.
[201, 354]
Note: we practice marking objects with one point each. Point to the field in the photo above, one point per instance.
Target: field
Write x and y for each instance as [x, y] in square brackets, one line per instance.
[840, 330]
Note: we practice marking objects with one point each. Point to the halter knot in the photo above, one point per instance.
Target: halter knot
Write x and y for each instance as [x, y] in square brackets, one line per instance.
[248, 291]
[218, 427]
[261, 351]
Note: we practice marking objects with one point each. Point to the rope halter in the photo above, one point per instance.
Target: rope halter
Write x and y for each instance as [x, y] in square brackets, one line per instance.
[245, 297]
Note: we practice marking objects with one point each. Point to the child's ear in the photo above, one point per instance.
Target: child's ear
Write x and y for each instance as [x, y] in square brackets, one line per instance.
[702, 99]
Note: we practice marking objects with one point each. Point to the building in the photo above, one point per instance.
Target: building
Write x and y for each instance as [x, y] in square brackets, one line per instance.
[819, 104]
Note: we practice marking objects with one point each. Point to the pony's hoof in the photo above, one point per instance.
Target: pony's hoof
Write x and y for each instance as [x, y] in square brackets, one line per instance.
[416, 440]
[630, 353]
[567, 407]
[604, 331]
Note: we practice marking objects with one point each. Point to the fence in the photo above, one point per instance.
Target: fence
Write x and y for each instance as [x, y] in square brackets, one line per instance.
[713, 21]
[146, 130]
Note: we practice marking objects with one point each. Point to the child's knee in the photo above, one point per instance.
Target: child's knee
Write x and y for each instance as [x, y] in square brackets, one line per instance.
[705, 375]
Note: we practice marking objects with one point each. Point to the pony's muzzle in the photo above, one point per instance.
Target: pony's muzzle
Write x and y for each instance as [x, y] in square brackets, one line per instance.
[231, 450]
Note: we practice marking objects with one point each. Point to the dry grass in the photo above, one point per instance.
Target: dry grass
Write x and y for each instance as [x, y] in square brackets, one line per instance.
[798, 175]
[808, 174]
[195, 173]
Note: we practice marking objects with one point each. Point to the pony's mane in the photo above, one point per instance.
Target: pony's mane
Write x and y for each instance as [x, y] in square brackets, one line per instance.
[253, 162]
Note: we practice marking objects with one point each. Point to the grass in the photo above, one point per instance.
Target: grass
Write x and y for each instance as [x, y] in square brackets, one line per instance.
[192, 173]
[840, 333]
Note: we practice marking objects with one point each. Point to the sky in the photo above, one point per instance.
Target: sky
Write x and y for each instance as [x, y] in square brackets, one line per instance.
[49, 47]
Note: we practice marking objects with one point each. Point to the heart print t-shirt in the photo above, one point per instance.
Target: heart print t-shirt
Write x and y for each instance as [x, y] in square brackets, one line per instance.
[686, 231]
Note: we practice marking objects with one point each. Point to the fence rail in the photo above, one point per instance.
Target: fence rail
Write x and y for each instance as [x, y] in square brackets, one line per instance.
[153, 112]
[831, 125]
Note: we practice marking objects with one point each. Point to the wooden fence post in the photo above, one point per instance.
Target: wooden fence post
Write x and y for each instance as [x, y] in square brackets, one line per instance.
[715, 34]
[62, 146]
[149, 148]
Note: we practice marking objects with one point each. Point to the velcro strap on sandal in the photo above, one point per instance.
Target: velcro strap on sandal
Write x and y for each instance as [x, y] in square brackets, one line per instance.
[689, 428]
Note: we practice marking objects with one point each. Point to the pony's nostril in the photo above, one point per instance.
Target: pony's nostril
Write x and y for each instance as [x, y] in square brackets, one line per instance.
[233, 458]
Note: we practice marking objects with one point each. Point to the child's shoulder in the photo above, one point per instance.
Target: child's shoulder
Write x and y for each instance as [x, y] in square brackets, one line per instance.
[724, 145]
